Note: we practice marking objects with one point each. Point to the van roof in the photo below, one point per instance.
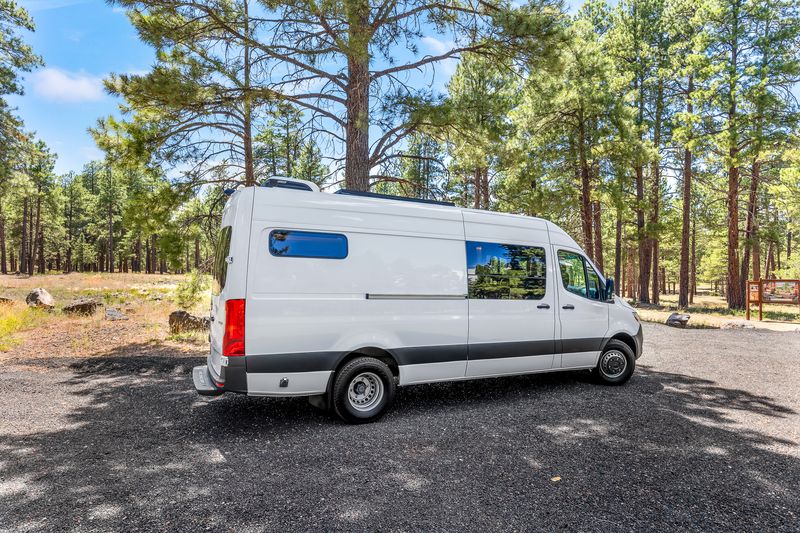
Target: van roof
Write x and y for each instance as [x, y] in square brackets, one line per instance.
[433, 210]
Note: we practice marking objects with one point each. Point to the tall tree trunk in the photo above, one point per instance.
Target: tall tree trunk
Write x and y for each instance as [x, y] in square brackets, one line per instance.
[788, 245]
[33, 224]
[693, 282]
[598, 236]
[41, 252]
[23, 246]
[733, 288]
[357, 167]
[644, 248]
[750, 225]
[683, 290]
[476, 182]
[153, 258]
[656, 191]
[585, 187]
[769, 265]
[247, 107]
[197, 253]
[110, 244]
[618, 254]
[3, 267]
[137, 255]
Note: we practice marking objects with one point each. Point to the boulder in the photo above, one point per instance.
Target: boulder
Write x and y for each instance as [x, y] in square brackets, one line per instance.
[5, 300]
[40, 298]
[113, 313]
[82, 306]
[737, 324]
[678, 320]
[181, 321]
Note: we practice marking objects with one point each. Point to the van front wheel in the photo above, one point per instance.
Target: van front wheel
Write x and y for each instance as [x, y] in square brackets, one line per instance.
[362, 390]
[616, 363]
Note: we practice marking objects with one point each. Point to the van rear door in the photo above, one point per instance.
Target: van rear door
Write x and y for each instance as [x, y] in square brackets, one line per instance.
[229, 269]
[220, 272]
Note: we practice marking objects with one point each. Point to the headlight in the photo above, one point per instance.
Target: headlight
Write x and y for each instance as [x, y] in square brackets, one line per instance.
[636, 317]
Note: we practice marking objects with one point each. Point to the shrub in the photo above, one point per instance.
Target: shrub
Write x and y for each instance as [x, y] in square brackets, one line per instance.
[189, 292]
[14, 318]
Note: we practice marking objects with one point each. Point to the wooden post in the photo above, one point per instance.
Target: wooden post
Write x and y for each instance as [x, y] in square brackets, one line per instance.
[747, 306]
[760, 300]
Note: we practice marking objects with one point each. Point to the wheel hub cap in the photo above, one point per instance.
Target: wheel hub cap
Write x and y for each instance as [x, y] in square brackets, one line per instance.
[365, 391]
[613, 364]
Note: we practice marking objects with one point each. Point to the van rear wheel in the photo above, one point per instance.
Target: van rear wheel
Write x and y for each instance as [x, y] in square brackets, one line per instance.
[616, 363]
[362, 390]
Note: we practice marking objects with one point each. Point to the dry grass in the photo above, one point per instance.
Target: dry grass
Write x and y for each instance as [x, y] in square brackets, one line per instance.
[711, 311]
[15, 318]
[146, 299]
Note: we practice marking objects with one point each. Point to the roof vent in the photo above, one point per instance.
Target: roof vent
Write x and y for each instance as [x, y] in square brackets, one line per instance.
[289, 183]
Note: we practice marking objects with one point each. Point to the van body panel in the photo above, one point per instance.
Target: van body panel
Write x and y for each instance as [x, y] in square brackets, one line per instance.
[296, 383]
[402, 285]
[237, 215]
[524, 329]
[583, 322]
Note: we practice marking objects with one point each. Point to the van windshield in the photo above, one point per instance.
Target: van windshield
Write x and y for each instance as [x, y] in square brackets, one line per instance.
[220, 264]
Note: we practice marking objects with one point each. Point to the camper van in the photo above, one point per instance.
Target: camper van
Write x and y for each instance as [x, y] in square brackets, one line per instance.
[342, 297]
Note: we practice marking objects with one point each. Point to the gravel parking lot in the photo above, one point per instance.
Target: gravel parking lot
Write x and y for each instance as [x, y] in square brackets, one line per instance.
[704, 438]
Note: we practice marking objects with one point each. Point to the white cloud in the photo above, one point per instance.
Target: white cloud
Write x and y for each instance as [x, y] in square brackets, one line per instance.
[60, 86]
[439, 47]
[45, 5]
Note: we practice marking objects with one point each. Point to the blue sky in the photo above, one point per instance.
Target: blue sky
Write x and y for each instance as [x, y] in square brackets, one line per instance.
[82, 41]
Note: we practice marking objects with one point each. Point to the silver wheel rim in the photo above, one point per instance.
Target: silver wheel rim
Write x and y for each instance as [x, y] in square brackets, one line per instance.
[613, 364]
[365, 391]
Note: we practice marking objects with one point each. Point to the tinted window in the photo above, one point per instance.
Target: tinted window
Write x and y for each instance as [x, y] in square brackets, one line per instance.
[578, 276]
[220, 265]
[505, 271]
[286, 243]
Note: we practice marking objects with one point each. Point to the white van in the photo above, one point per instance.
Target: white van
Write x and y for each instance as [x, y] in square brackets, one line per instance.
[343, 297]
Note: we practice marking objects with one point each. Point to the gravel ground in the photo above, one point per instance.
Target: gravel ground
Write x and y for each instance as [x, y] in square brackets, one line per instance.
[703, 438]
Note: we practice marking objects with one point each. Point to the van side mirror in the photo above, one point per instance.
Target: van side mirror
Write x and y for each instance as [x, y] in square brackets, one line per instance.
[609, 290]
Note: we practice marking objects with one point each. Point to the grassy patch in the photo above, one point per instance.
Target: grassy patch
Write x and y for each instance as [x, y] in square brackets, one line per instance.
[15, 318]
[190, 337]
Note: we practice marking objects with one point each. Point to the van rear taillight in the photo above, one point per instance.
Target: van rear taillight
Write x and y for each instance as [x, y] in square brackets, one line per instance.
[233, 340]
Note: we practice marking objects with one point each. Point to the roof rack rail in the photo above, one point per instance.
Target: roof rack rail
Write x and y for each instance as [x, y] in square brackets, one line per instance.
[282, 183]
[366, 194]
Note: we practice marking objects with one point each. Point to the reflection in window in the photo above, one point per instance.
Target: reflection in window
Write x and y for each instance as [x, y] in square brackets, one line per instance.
[579, 277]
[290, 243]
[505, 271]
[573, 275]
[220, 267]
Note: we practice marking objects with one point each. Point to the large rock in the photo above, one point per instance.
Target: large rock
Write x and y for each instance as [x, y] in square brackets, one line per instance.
[5, 300]
[113, 313]
[181, 321]
[737, 324]
[40, 298]
[82, 306]
[678, 320]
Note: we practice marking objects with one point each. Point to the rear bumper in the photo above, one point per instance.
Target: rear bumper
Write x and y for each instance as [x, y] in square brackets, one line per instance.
[204, 383]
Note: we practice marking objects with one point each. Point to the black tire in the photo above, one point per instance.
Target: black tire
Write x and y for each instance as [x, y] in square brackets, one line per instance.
[357, 396]
[608, 367]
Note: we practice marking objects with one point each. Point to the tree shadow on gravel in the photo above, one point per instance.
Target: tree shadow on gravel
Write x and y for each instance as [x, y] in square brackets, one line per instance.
[138, 450]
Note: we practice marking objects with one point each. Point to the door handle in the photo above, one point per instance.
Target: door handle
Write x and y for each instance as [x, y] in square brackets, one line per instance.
[568, 306]
[543, 306]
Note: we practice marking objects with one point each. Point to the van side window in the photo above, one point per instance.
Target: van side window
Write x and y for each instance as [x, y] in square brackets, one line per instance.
[505, 271]
[291, 243]
[220, 267]
[578, 276]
